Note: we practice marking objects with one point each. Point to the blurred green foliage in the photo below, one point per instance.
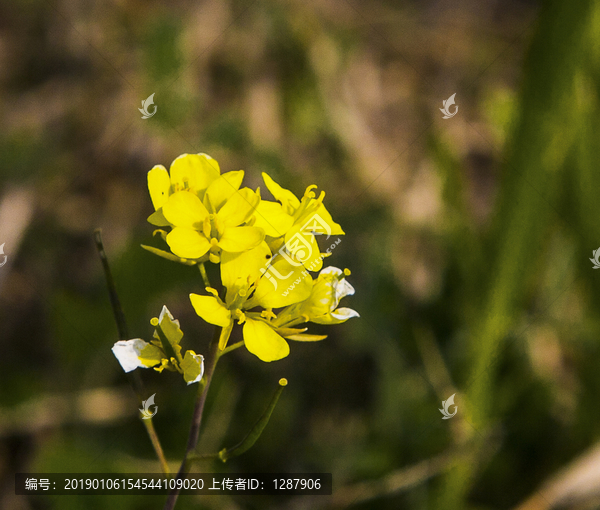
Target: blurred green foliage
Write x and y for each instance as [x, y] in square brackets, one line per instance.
[468, 240]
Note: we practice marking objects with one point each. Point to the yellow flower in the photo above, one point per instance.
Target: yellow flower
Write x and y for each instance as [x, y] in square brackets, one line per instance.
[208, 211]
[293, 223]
[322, 305]
[247, 289]
[189, 172]
[213, 225]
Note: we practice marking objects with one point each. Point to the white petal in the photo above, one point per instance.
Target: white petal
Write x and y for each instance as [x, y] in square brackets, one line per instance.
[344, 314]
[331, 270]
[165, 311]
[128, 352]
[343, 289]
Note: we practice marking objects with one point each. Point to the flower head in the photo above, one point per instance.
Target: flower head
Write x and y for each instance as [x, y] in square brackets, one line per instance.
[164, 352]
[248, 289]
[266, 250]
[188, 172]
[322, 305]
[265, 332]
[208, 211]
[292, 224]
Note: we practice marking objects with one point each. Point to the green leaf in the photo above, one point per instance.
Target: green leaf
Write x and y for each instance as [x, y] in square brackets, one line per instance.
[158, 219]
[247, 443]
[170, 326]
[167, 330]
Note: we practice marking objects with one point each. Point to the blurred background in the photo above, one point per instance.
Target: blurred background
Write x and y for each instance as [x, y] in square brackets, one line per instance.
[468, 239]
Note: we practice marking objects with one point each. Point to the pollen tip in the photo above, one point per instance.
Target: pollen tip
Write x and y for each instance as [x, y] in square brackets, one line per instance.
[154, 321]
[283, 381]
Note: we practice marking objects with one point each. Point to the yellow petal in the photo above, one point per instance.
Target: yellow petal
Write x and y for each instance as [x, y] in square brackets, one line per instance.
[187, 243]
[282, 284]
[272, 219]
[240, 270]
[262, 341]
[184, 209]
[303, 248]
[321, 223]
[239, 207]
[222, 188]
[194, 172]
[238, 239]
[211, 309]
[287, 198]
[158, 185]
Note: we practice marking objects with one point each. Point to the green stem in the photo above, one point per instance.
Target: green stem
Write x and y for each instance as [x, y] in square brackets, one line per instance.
[211, 363]
[204, 274]
[248, 442]
[156, 444]
[134, 379]
[232, 347]
[202, 456]
[227, 453]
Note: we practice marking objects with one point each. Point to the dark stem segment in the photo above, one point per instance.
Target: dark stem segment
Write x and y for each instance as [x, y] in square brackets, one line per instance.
[112, 289]
[192, 442]
[134, 378]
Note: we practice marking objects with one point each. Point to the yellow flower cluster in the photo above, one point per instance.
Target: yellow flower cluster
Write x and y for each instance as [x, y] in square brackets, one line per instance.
[265, 250]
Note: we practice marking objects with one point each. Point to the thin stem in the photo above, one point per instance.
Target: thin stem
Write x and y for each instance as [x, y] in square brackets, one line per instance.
[112, 289]
[157, 446]
[202, 456]
[232, 347]
[134, 379]
[192, 442]
[248, 442]
[204, 274]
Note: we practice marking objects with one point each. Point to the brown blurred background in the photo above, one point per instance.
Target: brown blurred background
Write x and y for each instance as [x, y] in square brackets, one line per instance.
[468, 239]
